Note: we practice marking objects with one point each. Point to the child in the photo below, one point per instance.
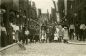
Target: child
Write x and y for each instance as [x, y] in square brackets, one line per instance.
[60, 35]
[55, 37]
[75, 37]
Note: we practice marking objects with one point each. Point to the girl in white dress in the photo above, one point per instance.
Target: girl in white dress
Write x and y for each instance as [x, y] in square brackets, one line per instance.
[56, 36]
[43, 36]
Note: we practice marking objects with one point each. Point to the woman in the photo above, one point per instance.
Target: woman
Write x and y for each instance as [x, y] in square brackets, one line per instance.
[66, 36]
[3, 36]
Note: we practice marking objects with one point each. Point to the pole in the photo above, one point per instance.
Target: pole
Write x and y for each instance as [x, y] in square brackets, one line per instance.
[0, 25]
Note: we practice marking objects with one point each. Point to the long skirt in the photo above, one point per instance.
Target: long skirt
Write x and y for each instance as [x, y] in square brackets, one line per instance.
[55, 38]
[3, 39]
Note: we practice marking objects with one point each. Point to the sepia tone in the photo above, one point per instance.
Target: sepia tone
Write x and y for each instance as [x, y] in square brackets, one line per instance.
[42, 27]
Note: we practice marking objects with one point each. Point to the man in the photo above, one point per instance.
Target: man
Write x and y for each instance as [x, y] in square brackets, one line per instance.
[20, 33]
[77, 31]
[71, 31]
[82, 30]
[48, 35]
[26, 36]
[84, 34]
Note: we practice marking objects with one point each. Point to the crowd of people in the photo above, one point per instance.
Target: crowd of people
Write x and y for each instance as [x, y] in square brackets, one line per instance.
[58, 33]
[12, 30]
[63, 33]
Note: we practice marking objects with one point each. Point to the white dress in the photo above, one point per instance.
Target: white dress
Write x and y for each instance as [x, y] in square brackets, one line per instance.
[43, 35]
[55, 36]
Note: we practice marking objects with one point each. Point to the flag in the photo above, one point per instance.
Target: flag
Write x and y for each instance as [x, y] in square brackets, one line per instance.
[48, 15]
[39, 12]
[54, 4]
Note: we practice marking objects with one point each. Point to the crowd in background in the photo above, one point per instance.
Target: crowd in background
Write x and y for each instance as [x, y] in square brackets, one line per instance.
[64, 33]
[11, 32]
[58, 33]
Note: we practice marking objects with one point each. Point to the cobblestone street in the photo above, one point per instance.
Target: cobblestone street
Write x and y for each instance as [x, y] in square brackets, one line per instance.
[42, 27]
[51, 49]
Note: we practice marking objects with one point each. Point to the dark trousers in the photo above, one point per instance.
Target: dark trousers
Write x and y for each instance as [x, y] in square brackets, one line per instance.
[65, 41]
[77, 35]
[83, 38]
[84, 35]
[3, 39]
[71, 34]
[43, 40]
[25, 39]
[50, 38]
[47, 39]
[31, 38]
[60, 38]
[81, 35]
[20, 37]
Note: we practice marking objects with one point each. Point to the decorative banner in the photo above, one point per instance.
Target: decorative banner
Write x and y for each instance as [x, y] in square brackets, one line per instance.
[0, 2]
[0, 16]
[16, 5]
[65, 3]
[34, 24]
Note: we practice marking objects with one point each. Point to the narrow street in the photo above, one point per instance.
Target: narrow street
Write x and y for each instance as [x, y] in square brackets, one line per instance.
[28, 21]
[51, 49]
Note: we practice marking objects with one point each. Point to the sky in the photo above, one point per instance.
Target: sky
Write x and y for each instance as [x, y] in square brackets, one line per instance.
[44, 5]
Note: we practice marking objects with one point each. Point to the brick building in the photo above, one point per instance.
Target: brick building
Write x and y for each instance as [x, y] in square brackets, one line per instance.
[75, 9]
